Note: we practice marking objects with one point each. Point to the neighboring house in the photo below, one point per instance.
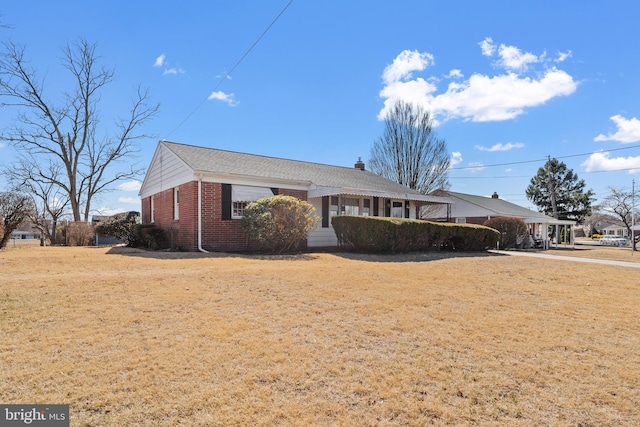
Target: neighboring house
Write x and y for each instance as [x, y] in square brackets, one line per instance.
[470, 209]
[107, 239]
[615, 230]
[198, 194]
[25, 231]
[23, 235]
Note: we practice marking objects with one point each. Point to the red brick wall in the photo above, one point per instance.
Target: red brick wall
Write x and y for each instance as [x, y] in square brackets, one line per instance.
[217, 235]
[183, 231]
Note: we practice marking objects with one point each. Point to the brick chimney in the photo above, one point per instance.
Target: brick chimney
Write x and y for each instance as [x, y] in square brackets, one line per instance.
[359, 164]
[495, 195]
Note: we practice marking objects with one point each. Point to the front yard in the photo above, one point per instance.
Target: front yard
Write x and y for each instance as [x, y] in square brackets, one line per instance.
[128, 337]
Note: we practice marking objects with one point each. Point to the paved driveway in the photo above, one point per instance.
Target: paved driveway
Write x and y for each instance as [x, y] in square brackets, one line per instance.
[569, 258]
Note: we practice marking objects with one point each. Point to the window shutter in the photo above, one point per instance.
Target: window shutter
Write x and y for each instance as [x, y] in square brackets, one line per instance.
[226, 202]
[406, 209]
[387, 208]
[325, 211]
[275, 191]
[376, 202]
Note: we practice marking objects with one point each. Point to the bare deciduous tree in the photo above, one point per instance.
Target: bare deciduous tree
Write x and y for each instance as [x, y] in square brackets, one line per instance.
[61, 138]
[14, 209]
[50, 201]
[409, 152]
[621, 204]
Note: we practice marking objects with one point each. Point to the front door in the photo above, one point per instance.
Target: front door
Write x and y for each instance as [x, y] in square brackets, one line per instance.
[397, 209]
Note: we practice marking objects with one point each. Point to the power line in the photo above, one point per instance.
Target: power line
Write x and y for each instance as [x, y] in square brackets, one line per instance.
[233, 68]
[544, 159]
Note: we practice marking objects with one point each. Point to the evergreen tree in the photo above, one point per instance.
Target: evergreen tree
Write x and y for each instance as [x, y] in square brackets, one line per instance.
[557, 191]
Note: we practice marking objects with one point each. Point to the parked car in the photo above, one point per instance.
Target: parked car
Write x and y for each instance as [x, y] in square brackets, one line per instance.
[614, 241]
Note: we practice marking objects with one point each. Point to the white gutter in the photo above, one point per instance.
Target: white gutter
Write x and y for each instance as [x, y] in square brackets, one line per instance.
[200, 248]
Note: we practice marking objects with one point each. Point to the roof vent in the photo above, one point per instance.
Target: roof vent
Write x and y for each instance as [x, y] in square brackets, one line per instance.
[359, 164]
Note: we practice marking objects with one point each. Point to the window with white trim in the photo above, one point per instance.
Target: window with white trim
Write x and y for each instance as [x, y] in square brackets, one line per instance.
[397, 209]
[461, 220]
[237, 209]
[176, 204]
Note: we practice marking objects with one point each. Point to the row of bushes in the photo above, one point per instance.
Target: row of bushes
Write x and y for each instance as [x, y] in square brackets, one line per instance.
[376, 234]
[126, 228]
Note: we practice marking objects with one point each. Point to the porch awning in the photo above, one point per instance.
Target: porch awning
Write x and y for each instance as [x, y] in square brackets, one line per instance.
[345, 191]
[548, 220]
[245, 193]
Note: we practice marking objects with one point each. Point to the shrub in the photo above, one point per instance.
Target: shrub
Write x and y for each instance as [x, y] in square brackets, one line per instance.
[513, 231]
[120, 226]
[375, 234]
[148, 236]
[79, 234]
[279, 223]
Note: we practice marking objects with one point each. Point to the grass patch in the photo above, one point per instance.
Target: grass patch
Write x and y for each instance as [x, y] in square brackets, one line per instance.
[128, 337]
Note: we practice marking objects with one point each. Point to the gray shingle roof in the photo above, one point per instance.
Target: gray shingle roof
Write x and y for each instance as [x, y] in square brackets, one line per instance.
[234, 163]
[501, 207]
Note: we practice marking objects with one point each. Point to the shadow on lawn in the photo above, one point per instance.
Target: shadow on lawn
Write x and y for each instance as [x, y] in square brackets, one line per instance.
[168, 255]
[415, 256]
[310, 256]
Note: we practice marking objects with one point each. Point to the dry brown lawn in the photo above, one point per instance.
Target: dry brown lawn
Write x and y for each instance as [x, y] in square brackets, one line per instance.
[133, 338]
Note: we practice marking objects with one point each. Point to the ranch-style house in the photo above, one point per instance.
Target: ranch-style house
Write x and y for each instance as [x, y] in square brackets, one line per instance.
[198, 194]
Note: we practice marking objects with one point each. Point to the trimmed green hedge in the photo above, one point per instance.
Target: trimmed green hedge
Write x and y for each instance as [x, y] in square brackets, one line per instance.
[376, 234]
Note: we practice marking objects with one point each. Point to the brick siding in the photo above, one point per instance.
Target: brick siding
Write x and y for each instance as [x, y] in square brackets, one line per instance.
[217, 234]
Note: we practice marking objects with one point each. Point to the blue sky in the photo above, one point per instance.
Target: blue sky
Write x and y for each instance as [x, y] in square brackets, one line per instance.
[508, 84]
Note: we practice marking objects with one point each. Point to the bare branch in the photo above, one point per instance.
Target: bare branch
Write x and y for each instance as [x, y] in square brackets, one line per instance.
[63, 136]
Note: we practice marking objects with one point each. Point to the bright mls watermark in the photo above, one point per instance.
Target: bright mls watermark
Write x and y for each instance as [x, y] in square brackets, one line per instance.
[34, 415]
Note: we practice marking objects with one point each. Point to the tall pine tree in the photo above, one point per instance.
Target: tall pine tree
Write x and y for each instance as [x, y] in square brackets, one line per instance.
[557, 191]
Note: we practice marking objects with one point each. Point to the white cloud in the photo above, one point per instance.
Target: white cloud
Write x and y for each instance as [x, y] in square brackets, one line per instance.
[405, 64]
[512, 58]
[159, 61]
[456, 158]
[628, 131]
[481, 97]
[508, 170]
[455, 74]
[224, 97]
[173, 70]
[129, 186]
[500, 147]
[562, 56]
[129, 200]
[601, 161]
[487, 47]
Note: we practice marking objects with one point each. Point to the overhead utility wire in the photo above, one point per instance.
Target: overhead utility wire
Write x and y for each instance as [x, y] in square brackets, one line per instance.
[233, 68]
[543, 159]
